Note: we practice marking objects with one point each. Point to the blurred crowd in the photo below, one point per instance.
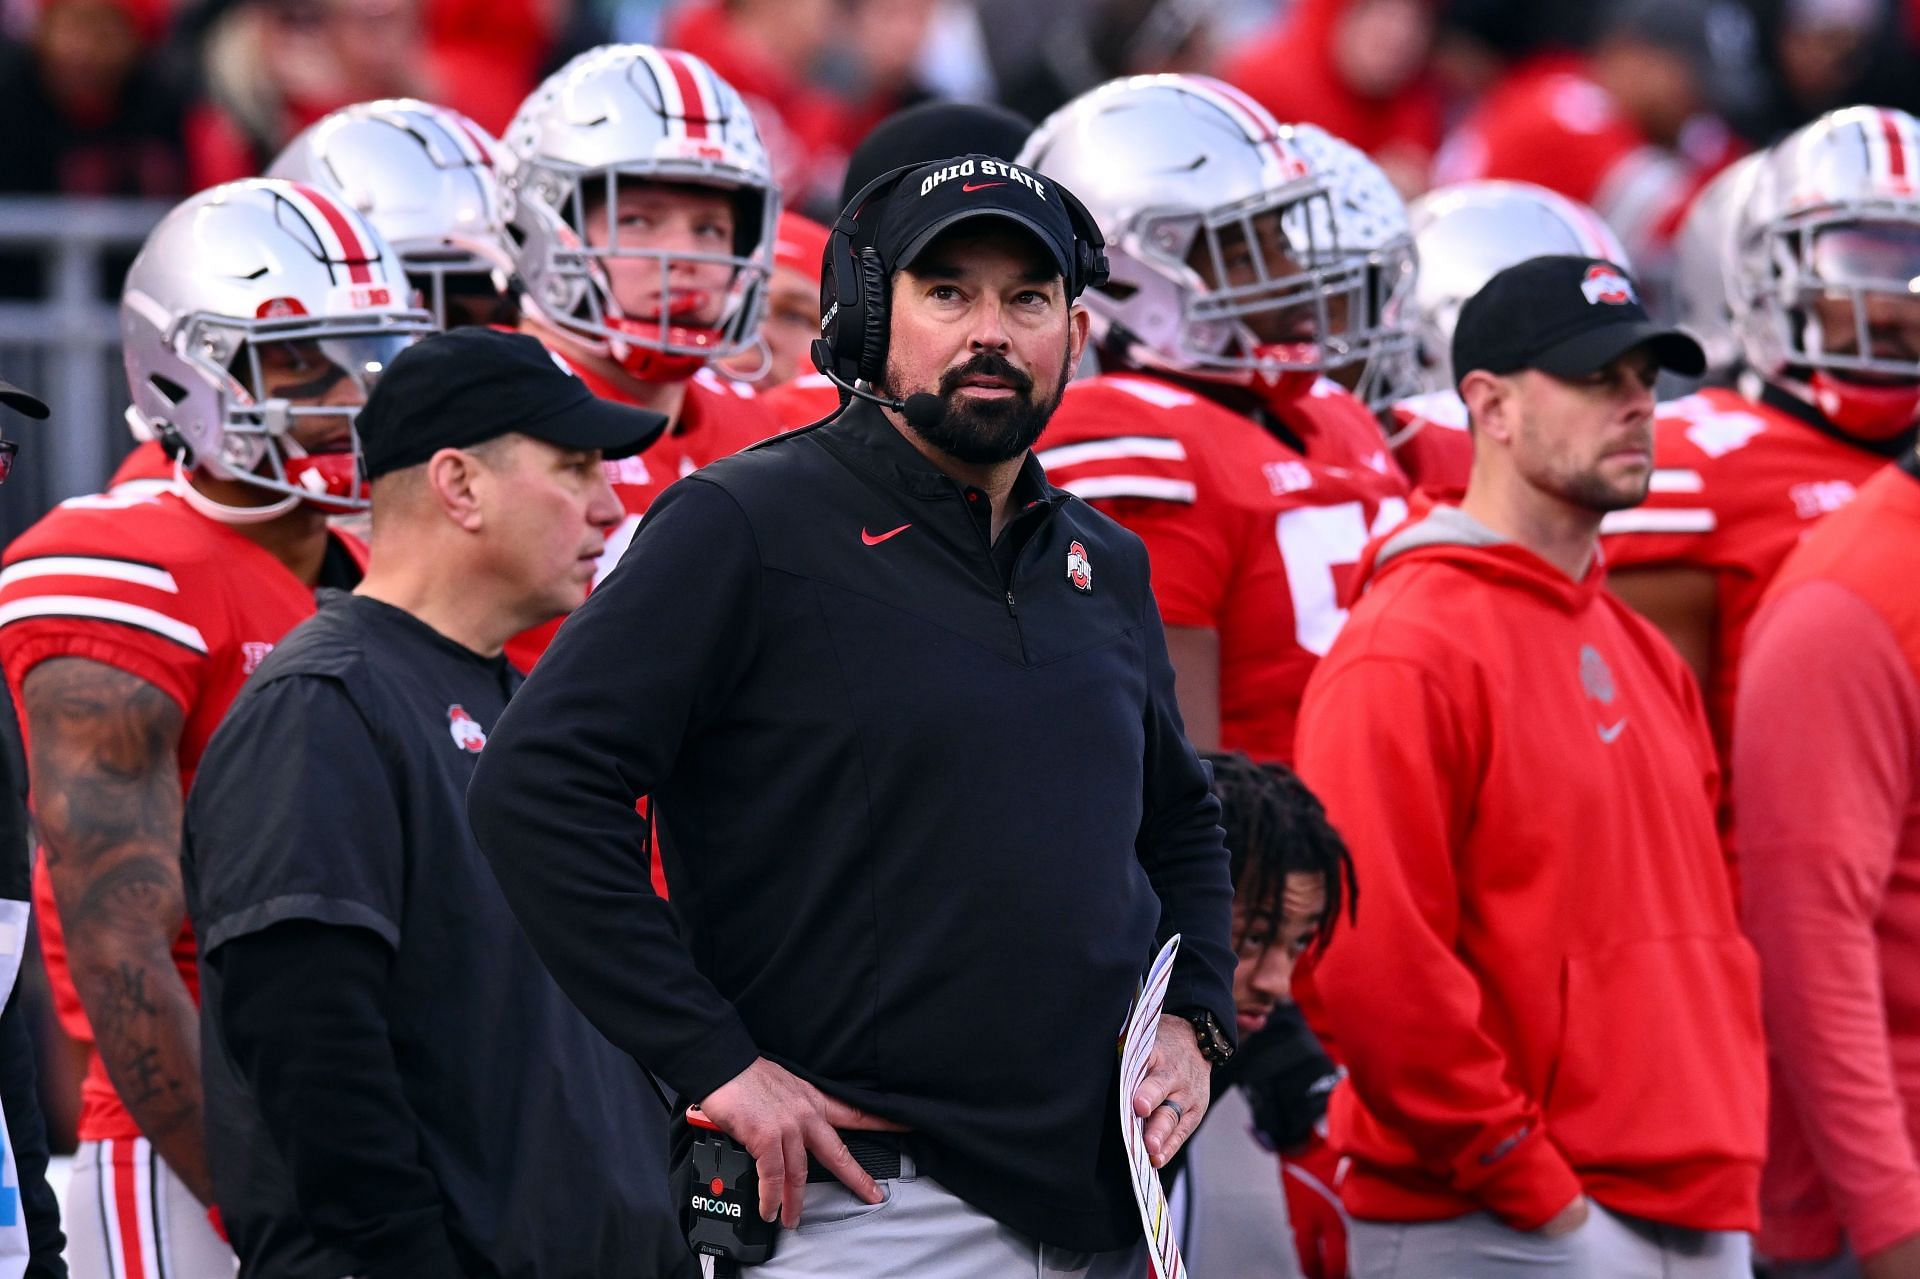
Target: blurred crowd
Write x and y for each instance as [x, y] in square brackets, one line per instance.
[160, 98]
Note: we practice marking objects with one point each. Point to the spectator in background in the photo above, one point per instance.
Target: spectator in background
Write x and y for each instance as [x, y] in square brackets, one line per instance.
[1358, 69]
[273, 67]
[1820, 55]
[485, 56]
[1620, 128]
[1088, 44]
[86, 113]
[792, 320]
[767, 50]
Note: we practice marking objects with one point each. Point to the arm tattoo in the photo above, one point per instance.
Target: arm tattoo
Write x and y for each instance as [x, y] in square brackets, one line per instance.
[105, 773]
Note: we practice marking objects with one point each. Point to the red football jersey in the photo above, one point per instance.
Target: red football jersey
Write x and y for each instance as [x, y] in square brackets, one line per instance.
[1246, 537]
[146, 470]
[1736, 485]
[149, 586]
[1433, 445]
[718, 418]
[805, 400]
[1338, 430]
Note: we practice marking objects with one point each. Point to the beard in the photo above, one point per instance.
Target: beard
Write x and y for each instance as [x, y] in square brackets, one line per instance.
[1591, 490]
[986, 432]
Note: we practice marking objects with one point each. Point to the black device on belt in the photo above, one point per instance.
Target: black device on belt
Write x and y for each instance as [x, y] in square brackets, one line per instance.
[721, 1210]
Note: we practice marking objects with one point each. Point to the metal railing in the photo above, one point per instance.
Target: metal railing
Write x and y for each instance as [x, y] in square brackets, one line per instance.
[64, 345]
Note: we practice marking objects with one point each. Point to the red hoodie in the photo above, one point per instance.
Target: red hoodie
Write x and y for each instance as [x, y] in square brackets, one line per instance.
[1547, 991]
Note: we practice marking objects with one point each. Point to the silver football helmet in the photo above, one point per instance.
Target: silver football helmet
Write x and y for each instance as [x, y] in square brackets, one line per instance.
[1703, 261]
[627, 113]
[1469, 232]
[428, 179]
[1374, 235]
[246, 305]
[1192, 182]
[1832, 226]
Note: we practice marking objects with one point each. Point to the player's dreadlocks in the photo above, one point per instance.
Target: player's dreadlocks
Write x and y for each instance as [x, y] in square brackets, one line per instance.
[1276, 827]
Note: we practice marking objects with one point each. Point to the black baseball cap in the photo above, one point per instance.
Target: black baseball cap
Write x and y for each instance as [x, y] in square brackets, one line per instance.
[928, 130]
[937, 196]
[1566, 315]
[457, 389]
[21, 402]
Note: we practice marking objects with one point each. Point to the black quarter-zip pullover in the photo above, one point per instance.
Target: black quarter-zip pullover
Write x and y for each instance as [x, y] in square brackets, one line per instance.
[924, 801]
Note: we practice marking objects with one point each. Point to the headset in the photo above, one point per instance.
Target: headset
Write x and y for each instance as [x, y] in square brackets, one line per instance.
[854, 288]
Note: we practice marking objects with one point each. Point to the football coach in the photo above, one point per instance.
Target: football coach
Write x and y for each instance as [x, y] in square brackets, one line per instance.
[924, 800]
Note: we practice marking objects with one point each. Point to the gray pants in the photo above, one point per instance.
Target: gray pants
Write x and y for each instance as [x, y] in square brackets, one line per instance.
[1229, 1202]
[1609, 1246]
[922, 1229]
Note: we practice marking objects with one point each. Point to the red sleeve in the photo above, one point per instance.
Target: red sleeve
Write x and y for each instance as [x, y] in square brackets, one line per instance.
[1823, 773]
[119, 612]
[1380, 743]
[1149, 483]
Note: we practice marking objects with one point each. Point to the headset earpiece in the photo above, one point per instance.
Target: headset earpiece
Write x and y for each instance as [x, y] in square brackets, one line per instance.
[873, 315]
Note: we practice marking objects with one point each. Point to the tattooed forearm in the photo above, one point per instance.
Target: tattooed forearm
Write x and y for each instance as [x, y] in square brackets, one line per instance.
[105, 774]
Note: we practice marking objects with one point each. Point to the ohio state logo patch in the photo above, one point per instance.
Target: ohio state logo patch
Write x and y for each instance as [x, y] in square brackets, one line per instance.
[1079, 568]
[466, 730]
[1604, 284]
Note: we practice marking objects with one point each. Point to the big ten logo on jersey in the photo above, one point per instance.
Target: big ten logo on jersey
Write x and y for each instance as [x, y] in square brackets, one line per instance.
[358, 297]
[1820, 497]
[1287, 477]
[1322, 546]
[465, 729]
[252, 653]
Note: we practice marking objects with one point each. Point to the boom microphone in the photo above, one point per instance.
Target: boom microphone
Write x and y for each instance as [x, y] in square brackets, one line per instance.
[923, 410]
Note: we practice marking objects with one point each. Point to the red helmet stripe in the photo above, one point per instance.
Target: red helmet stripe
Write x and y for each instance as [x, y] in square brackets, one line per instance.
[1255, 121]
[481, 151]
[694, 104]
[357, 254]
[1900, 160]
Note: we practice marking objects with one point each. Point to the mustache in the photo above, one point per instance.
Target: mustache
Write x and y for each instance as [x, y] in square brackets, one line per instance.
[986, 364]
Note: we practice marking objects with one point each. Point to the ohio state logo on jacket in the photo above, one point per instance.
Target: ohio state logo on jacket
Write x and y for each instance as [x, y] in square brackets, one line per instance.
[1079, 569]
[466, 730]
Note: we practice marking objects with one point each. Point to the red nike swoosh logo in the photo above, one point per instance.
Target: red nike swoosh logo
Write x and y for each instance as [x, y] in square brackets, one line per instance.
[979, 186]
[874, 539]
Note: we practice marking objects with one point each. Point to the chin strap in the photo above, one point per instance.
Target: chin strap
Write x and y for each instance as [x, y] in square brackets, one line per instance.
[1868, 412]
[223, 513]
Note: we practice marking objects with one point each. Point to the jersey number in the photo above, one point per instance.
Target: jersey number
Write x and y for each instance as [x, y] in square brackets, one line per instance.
[1315, 541]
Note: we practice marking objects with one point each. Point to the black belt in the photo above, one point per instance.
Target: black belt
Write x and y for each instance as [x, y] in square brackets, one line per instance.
[878, 1153]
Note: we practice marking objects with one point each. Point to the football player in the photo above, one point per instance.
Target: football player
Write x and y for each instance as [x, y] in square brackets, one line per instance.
[1823, 253]
[1212, 431]
[1465, 234]
[643, 210]
[254, 320]
[427, 179]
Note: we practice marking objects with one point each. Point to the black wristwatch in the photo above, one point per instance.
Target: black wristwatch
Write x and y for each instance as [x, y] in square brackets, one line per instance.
[1214, 1044]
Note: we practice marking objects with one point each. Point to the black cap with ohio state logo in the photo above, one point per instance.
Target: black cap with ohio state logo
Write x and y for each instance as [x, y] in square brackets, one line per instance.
[1565, 315]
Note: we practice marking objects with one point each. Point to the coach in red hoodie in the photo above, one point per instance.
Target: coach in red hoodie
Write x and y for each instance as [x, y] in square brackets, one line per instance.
[1550, 1017]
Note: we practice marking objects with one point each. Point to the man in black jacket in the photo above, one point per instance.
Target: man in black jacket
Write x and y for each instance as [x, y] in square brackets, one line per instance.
[925, 804]
[30, 1224]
